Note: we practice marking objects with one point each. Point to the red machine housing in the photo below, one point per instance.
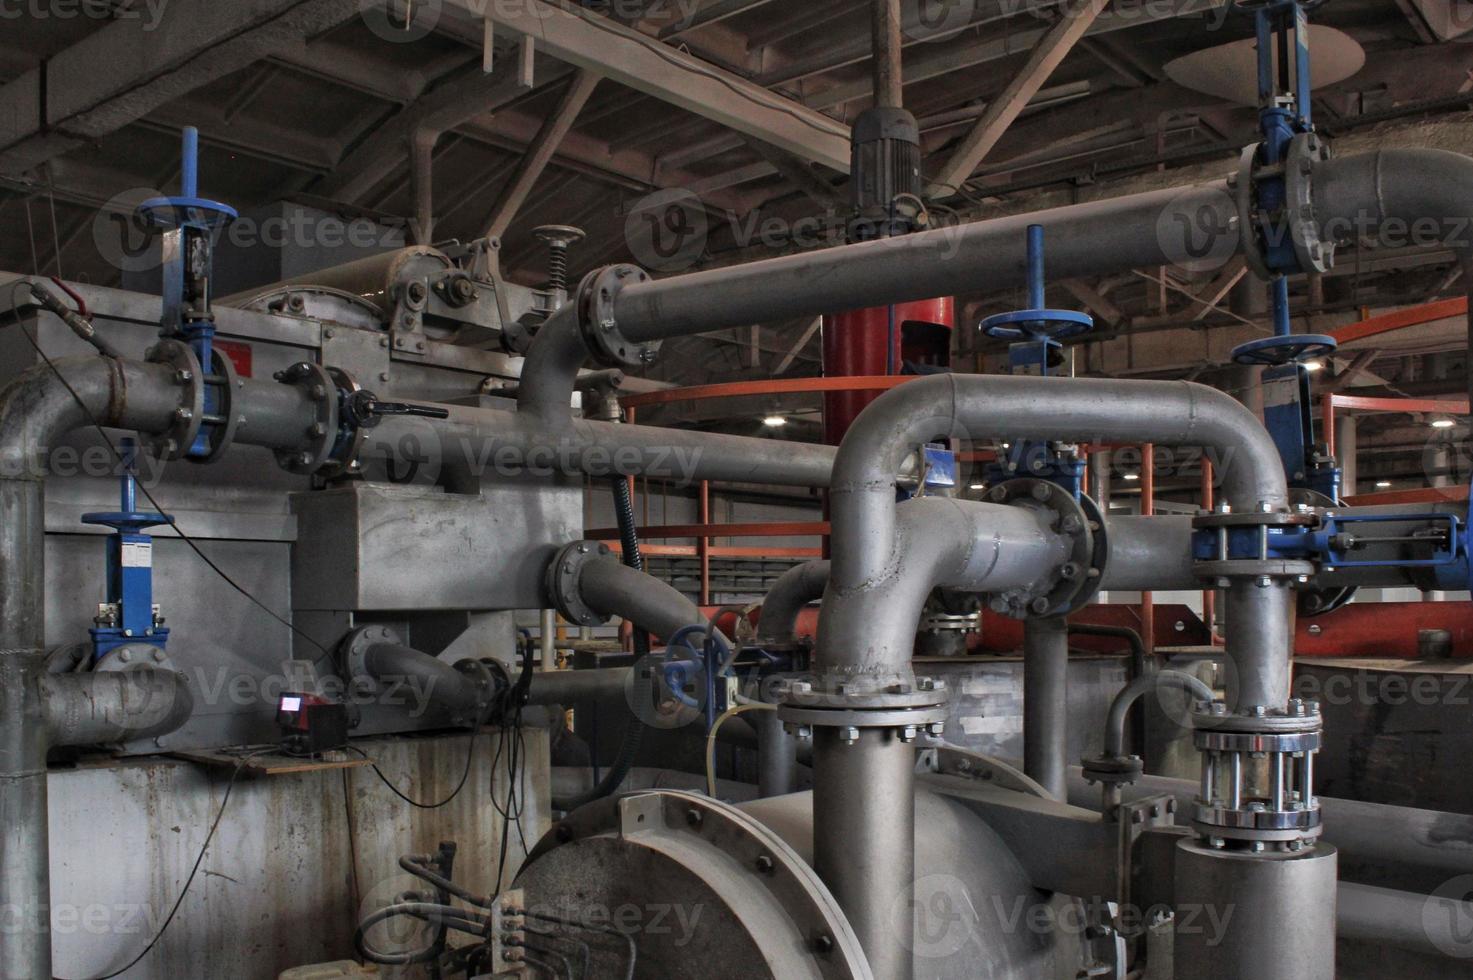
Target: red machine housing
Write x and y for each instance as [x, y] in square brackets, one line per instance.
[868, 342]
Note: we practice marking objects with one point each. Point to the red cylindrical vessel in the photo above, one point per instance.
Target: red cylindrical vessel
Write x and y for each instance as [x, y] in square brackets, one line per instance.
[860, 343]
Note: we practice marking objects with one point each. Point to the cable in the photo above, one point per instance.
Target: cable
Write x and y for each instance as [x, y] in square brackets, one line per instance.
[148, 495]
[732, 712]
[586, 927]
[470, 756]
[583, 948]
[549, 951]
[220, 815]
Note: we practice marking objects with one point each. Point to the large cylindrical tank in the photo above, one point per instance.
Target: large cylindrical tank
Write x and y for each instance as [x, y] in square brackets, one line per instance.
[714, 891]
[859, 343]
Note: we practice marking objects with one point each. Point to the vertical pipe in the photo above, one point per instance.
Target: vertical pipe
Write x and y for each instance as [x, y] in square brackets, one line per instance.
[703, 544]
[1260, 616]
[189, 163]
[1035, 267]
[1209, 597]
[886, 63]
[1148, 509]
[25, 896]
[548, 639]
[422, 173]
[1046, 702]
[777, 754]
[865, 791]
[1282, 326]
[1343, 448]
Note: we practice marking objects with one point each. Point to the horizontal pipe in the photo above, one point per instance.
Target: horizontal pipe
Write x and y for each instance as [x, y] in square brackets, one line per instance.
[575, 686]
[478, 443]
[108, 708]
[1401, 847]
[1150, 553]
[1137, 231]
[869, 626]
[1426, 924]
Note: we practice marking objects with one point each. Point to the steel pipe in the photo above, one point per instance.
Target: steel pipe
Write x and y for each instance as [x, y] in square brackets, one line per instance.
[115, 707]
[475, 443]
[1139, 688]
[1046, 702]
[869, 623]
[971, 407]
[612, 588]
[786, 600]
[864, 801]
[1133, 232]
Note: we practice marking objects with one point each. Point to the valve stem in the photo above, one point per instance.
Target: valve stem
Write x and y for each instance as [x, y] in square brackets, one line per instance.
[558, 238]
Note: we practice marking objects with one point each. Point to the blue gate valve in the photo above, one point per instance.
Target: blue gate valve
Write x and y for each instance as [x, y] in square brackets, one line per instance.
[129, 615]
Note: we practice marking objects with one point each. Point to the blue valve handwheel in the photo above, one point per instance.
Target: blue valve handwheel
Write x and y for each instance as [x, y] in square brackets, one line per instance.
[1037, 324]
[1277, 350]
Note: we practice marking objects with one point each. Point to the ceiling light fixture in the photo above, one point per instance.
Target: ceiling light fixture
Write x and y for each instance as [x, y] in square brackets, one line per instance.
[775, 421]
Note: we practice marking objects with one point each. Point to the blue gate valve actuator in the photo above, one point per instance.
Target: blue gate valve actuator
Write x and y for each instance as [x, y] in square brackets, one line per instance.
[129, 615]
[1038, 332]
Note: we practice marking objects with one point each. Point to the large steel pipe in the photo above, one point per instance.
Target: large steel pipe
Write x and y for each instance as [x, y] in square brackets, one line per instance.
[1132, 232]
[486, 442]
[1046, 702]
[972, 407]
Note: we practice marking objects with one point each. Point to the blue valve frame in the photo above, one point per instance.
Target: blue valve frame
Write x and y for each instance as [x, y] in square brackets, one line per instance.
[192, 217]
[1280, 124]
[129, 566]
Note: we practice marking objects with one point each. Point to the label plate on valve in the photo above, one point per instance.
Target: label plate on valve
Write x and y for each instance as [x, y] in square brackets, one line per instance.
[137, 554]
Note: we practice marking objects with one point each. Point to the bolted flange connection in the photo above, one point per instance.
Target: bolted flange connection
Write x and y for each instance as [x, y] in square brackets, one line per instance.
[563, 582]
[911, 708]
[1079, 523]
[322, 435]
[600, 329]
[1257, 787]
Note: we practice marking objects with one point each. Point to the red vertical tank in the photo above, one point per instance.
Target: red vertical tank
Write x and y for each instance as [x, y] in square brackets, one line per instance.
[859, 343]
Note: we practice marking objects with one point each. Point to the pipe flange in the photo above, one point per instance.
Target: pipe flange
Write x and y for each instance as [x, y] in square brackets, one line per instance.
[912, 722]
[1297, 718]
[134, 656]
[1262, 824]
[1113, 770]
[350, 436]
[596, 295]
[322, 435]
[1242, 184]
[563, 582]
[1314, 600]
[175, 441]
[850, 692]
[1271, 568]
[1220, 741]
[355, 647]
[225, 382]
[1306, 151]
[1270, 519]
[1074, 582]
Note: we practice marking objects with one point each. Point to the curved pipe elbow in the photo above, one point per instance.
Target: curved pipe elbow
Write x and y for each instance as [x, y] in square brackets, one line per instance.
[1407, 185]
[437, 682]
[1137, 689]
[612, 588]
[37, 410]
[550, 371]
[785, 601]
[974, 407]
[108, 708]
